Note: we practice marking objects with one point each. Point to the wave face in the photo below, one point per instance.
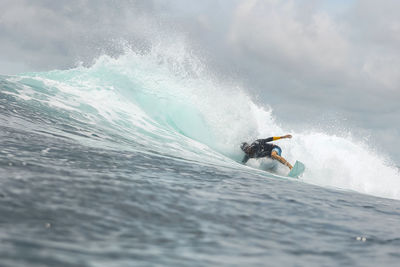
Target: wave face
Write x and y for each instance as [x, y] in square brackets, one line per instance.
[165, 102]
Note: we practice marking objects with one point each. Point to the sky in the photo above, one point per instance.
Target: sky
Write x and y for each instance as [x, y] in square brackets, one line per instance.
[318, 63]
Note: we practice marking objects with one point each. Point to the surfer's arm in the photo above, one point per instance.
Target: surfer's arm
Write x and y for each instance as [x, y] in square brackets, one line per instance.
[245, 159]
[277, 138]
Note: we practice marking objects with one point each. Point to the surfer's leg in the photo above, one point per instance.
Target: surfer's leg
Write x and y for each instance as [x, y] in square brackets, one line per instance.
[275, 155]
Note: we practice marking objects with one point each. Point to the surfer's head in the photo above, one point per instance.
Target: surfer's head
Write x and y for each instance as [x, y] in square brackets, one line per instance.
[246, 148]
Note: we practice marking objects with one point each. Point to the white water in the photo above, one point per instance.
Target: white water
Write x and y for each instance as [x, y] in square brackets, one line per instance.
[173, 101]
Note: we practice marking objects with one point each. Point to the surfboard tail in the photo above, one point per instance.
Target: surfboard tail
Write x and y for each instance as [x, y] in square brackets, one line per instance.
[297, 169]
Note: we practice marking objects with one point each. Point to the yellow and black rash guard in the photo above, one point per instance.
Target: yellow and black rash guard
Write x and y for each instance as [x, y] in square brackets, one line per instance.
[260, 148]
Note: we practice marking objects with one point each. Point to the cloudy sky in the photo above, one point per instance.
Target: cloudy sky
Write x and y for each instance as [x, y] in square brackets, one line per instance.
[317, 63]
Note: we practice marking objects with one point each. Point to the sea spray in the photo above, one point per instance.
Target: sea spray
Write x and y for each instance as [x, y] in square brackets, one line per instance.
[169, 104]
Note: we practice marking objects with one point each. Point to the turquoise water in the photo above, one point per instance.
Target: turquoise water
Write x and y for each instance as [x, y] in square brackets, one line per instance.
[135, 161]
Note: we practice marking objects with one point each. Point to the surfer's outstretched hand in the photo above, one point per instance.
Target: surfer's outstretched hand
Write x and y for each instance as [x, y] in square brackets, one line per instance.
[287, 136]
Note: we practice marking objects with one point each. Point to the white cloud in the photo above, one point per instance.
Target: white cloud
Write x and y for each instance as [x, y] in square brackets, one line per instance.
[276, 31]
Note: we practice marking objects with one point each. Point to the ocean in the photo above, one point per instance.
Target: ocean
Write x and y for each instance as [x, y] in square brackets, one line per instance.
[135, 161]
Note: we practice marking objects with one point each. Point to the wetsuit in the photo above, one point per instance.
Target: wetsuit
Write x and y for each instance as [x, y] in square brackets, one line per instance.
[261, 148]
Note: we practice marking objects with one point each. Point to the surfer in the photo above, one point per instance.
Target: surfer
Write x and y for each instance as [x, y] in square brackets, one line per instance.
[261, 148]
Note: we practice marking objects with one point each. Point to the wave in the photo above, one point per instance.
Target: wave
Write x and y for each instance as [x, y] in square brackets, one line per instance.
[164, 101]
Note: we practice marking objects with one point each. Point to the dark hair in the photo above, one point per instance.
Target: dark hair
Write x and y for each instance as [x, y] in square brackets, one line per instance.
[249, 150]
[244, 146]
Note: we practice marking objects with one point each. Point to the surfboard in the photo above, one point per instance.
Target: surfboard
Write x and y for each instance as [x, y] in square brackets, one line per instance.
[297, 169]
